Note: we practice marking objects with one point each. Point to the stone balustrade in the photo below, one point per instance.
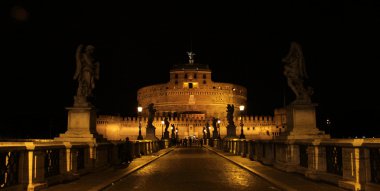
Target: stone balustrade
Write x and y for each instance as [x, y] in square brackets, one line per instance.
[353, 164]
[34, 164]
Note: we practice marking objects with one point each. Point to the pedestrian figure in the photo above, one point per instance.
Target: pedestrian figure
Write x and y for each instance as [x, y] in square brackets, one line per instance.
[129, 148]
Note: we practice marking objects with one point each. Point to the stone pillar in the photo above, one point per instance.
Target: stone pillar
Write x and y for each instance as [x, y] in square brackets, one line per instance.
[352, 166]
[166, 143]
[68, 158]
[315, 161]
[234, 147]
[289, 159]
[35, 175]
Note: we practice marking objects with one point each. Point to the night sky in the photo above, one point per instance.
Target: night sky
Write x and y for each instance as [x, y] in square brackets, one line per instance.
[136, 46]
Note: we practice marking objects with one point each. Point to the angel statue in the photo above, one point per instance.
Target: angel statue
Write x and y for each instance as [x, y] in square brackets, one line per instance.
[191, 57]
[152, 113]
[87, 71]
[230, 114]
[295, 72]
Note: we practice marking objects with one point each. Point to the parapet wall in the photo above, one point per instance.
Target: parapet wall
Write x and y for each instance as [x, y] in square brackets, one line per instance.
[104, 119]
[116, 128]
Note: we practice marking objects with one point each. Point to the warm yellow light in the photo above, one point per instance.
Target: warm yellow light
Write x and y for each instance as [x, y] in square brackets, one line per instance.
[219, 121]
[241, 108]
[139, 109]
[162, 122]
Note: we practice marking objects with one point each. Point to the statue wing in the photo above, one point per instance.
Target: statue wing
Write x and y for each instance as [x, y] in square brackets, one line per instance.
[300, 61]
[78, 61]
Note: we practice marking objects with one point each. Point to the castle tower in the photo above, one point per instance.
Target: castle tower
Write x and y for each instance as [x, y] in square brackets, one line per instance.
[191, 93]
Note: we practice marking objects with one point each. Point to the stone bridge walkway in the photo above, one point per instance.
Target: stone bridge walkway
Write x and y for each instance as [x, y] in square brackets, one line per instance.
[193, 169]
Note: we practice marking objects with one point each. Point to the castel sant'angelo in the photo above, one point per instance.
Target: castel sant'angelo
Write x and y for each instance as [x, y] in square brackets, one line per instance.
[190, 100]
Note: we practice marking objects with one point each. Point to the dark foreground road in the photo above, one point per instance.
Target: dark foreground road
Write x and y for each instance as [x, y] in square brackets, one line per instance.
[192, 169]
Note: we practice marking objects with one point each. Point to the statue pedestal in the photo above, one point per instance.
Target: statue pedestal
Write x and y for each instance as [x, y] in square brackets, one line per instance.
[151, 133]
[231, 131]
[301, 122]
[81, 126]
[215, 134]
[166, 135]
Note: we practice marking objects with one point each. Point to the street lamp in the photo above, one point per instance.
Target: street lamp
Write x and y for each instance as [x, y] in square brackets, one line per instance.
[242, 136]
[162, 129]
[139, 110]
[219, 128]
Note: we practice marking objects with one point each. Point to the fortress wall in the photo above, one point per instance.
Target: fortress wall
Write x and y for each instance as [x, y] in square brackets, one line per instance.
[210, 99]
[116, 128]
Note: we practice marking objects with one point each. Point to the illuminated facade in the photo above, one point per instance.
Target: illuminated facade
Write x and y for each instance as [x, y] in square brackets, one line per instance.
[190, 100]
[192, 93]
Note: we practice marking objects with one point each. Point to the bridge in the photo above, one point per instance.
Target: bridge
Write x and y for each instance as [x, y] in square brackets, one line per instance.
[233, 164]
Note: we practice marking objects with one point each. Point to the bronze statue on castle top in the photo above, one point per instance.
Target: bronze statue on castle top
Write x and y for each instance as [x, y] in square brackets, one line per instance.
[191, 57]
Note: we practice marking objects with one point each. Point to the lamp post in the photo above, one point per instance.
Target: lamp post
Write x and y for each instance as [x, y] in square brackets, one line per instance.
[219, 128]
[139, 110]
[242, 136]
[162, 129]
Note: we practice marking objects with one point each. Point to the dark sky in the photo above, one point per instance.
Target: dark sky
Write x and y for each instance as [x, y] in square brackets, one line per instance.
[137, 44]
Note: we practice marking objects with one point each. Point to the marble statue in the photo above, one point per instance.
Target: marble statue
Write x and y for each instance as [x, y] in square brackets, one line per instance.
[151, 115]
[230, 114]
[87, 71]
[167, 123]
[295, 72]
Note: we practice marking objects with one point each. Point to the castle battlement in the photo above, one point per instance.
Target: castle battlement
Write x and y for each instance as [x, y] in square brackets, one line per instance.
[107, 119]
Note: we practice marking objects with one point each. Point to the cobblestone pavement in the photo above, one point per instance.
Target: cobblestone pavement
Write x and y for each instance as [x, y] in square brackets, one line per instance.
[192, 169]
[283, 180]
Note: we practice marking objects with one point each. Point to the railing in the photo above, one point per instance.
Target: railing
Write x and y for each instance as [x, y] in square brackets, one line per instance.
[334, 160]
[30, 165]
[51, 162]
[9, 168]
[349, 163]
[303, 156]
[80, 158]
[375, 165]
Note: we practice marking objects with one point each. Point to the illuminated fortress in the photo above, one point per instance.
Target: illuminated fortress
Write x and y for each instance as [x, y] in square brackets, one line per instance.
[190, 100]
[191, 93]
